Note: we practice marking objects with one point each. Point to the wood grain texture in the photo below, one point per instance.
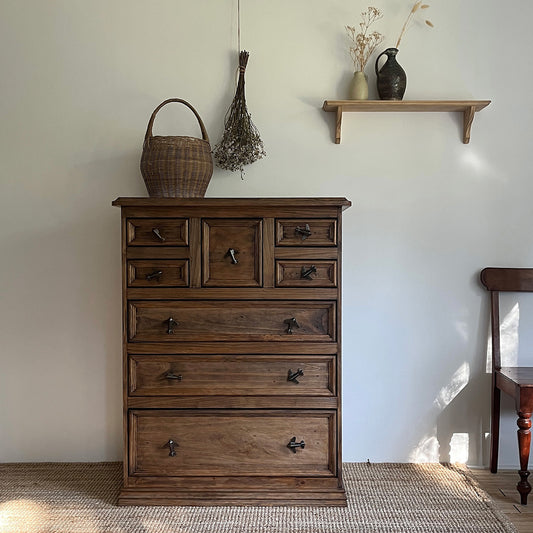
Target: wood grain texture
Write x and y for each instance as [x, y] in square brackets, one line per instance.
[306, 273]
[231, 320]
[211, 204]
[158, 232]
[306, 232]
[232, 252]
[234, 375]
[158, 273]
[225, 371]
[232, 443]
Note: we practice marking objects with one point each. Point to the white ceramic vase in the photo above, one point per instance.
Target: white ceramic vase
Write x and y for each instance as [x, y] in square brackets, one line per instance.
[358, 89]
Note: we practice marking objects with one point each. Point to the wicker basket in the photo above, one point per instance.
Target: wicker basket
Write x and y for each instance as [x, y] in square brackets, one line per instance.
[178, 167]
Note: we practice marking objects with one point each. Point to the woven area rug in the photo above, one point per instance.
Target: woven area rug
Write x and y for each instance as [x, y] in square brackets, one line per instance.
[382, 498]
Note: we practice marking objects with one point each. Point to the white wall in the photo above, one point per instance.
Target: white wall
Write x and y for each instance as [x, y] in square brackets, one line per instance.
[78, 82]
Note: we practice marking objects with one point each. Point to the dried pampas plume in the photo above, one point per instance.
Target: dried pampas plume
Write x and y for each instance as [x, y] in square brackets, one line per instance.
[417, 5]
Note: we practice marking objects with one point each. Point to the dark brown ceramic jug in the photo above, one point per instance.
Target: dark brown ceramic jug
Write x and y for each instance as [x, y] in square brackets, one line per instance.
[392, 79]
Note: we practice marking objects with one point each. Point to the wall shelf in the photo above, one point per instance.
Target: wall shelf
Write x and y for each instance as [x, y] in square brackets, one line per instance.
[467, 107]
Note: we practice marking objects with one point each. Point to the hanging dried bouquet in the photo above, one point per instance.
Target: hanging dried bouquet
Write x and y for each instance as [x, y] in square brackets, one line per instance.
[240, 144]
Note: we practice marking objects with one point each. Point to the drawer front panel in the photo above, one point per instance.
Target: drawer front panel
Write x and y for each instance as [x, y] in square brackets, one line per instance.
[157, 232]
[308, 232]
[158, 273]
[231, 252]
[246, 375]
[306, 273]
[235, 443]
[157, 321]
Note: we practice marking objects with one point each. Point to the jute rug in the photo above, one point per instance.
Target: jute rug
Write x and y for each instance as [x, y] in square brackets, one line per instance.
[382, 498]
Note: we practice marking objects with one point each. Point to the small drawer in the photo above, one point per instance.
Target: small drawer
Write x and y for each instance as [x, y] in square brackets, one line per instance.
[306, 273]
[231, 320]
[234, 375]
[157, 232]
[306, 232]
[220, 442]
[231, 252]
[160, 273]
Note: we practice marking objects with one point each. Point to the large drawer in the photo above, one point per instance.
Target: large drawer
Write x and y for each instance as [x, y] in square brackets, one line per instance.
[235, 375]
[232, 443]
[235, 320]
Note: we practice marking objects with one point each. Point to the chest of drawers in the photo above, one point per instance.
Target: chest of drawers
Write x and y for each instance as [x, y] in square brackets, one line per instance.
[231, 351]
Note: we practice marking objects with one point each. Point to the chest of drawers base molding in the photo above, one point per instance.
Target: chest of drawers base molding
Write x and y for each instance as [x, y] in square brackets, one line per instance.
[232, 351]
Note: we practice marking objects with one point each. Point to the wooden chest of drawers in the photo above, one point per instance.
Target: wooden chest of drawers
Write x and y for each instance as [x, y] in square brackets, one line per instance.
[231, 358]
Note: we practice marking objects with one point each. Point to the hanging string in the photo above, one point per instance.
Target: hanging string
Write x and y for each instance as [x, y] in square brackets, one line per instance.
[239, 25]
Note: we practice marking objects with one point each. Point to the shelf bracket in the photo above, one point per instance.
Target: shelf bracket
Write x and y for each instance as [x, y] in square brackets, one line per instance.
[468, 118]
[338, 125]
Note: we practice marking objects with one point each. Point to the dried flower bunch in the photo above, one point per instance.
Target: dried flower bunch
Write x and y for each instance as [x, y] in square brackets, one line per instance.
[240, 144]
[417, 5]
[364, 42]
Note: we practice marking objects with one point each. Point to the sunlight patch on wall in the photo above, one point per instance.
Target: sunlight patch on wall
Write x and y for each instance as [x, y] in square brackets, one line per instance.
[457, 383]
[475, 164]
[427, 450]
[459, 448]
[23, 515]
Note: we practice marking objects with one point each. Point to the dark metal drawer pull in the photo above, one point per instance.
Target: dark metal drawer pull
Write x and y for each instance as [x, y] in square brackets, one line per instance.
[293, 375]
[231, 253]
[172, 445]
[304, 232]
[293, 445]
[157, 233]
[154, 275]
[291, 323]
[171, 375]
[171, 324]
[306, 272]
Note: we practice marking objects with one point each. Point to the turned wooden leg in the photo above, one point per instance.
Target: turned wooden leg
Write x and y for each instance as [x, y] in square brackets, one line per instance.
[494, 429]
[524, 444]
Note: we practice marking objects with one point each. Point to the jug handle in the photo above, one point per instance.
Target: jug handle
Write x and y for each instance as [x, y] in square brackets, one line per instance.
[377, 59]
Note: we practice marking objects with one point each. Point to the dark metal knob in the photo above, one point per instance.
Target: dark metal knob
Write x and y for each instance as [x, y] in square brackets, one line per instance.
[293, 445]
[172, 445]
[171, 375]
[304, 232]
[293, 375]
[231, 253]
[157, 233]
[171, 323]
[154, 275]
[306, 272]
[291, 323]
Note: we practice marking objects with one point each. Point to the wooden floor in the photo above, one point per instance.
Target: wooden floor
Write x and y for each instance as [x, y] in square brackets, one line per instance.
[501, 487]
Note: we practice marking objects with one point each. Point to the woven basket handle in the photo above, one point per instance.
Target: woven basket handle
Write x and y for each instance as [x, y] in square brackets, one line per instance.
[180, 101]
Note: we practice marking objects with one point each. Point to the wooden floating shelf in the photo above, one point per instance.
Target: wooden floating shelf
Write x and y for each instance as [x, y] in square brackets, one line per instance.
[467, 107]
